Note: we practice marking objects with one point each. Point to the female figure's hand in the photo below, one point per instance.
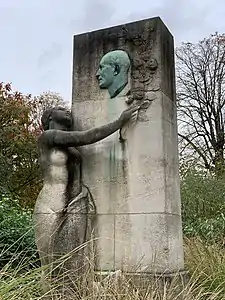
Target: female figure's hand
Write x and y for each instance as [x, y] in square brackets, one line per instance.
[130, 113]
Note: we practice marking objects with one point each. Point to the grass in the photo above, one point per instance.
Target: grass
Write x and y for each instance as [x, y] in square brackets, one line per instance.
[206, 270]
[207, 264]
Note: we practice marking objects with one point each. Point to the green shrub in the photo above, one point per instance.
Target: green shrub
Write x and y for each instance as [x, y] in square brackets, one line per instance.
[203, 206]
[16, 232]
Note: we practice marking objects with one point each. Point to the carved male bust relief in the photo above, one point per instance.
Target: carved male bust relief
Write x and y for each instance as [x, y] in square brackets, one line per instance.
[113, 71]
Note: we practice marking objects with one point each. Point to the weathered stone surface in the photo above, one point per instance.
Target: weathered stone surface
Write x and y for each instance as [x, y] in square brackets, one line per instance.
[147, 243]
[135, 182]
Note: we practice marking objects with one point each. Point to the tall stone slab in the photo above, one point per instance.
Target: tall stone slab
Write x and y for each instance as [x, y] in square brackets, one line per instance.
[133, 174]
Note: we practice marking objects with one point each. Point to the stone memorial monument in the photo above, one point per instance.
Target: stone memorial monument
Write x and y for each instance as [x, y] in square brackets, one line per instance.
[133, 173]
[110, 168]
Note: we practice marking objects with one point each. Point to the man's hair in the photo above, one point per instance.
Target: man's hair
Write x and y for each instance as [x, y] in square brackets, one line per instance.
[118, 57]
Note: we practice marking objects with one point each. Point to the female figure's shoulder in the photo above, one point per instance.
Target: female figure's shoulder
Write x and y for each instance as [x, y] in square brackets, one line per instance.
[47, 138]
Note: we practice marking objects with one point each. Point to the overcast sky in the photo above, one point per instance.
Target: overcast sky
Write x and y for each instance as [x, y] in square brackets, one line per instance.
[36, 35]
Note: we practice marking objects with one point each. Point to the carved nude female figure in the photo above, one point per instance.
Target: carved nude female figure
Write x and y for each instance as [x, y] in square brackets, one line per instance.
[64, 203]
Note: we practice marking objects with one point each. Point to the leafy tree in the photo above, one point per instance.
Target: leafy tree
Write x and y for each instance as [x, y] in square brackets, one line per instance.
[44, 101]
[19, 129]
[18, 164]
[201, 102]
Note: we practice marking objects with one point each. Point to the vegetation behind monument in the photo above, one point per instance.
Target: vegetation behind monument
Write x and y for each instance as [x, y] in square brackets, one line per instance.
[201, 103]
[19, 128]
[20, 179]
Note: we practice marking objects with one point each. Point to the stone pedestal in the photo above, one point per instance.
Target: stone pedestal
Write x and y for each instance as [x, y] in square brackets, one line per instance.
[134, 182]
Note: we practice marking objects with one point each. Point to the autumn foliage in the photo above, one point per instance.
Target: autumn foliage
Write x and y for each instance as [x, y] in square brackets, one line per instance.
[19, 129]
[19, 169]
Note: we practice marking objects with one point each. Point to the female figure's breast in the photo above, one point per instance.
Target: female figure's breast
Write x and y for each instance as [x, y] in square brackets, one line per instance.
[52, 196]
[57, 172]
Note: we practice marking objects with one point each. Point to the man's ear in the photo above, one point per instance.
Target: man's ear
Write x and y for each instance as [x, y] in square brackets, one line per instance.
[116, 70]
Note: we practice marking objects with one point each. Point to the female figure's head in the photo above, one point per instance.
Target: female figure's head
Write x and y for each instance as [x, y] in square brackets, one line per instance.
[57, 118]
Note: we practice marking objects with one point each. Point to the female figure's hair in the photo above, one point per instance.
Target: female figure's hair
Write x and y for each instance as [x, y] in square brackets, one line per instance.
[47, 116]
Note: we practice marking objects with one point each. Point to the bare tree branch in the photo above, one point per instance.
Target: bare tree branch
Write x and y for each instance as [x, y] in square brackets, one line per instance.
[201, 100]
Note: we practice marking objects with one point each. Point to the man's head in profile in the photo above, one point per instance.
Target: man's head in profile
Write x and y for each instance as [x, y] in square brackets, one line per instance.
[113, 72]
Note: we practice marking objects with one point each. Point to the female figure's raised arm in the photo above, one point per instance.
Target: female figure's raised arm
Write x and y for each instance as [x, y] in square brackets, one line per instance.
[80, 138]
